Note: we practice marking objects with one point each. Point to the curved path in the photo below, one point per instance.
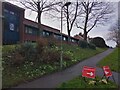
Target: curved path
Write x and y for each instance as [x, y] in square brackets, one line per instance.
[53, 80]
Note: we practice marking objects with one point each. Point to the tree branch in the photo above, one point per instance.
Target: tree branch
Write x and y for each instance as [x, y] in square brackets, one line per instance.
[74, 16]
[79, 26]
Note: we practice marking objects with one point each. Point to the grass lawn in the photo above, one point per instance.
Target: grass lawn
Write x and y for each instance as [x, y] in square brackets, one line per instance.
[79, 54]
[13, 76]
[112, 61]
[80, 83]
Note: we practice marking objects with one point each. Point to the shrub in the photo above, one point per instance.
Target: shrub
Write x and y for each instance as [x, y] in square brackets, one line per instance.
[52, 42]
[8, 48]
[99, 42]
[17, 59]
[13, 58]
[27, 50]
[17, 56]
[66, 57]
[41, 44]
[83, 44]
[91, 46]
[53, 56]
[50, 56]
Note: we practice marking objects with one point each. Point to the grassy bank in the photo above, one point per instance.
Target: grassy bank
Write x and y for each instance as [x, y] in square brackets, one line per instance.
[31, 69]
[80, 83]
[112, 60]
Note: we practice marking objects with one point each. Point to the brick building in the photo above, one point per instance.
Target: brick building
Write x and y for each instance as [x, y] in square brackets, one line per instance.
[17, 29]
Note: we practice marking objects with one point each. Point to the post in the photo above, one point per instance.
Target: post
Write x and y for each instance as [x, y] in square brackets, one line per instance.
[61, 56]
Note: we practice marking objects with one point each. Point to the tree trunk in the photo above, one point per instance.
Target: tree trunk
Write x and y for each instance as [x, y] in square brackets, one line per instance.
[39, 17]
[39, 20]
[85, 35]
[68, 25]
[39, 24]
[85, 27]
[68, 35]
[118, 44]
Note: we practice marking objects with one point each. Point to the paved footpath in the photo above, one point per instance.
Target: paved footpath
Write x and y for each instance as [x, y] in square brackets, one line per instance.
[53, 80]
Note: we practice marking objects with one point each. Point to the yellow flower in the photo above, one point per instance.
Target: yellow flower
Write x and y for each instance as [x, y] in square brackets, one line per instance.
[104, 81]
[92, 82]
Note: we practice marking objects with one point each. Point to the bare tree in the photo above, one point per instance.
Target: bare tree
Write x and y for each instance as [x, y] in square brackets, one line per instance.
[71, 17]
[39, 6]
[114, 34]
[92, 14]
[69, 14]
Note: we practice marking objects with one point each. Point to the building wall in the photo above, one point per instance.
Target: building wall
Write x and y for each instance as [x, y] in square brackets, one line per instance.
[32, 33]
[0, 45]
[17, 29]
[1, 23]
[12, 23]
[21, 26]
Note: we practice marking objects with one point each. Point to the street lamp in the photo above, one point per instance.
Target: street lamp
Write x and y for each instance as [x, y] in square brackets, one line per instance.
[61, 56]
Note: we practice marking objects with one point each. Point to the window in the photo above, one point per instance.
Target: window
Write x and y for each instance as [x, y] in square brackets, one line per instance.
[27, 41]
[73, 40]
[64, 38]
[28, 30]
[43, 33]
[57, 37]
[47, 33]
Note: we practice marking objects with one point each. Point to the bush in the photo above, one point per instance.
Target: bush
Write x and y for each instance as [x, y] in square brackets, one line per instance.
[27, 50]
[91, 46]
[51, 56]
[66, 57]
[8, 48]
[99, 42]
[12, 58]
[41, 44]
[17, 59]
[52, 42]
[83, 44]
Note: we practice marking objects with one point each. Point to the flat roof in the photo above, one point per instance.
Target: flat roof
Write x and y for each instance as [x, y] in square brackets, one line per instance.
[35, 24]
[10, 4]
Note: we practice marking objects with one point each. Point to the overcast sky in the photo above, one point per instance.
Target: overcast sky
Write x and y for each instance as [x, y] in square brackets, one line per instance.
[100, 31]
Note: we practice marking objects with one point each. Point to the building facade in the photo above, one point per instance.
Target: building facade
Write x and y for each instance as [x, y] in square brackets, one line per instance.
[17, 29]
[12, 23]
[1, 18]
